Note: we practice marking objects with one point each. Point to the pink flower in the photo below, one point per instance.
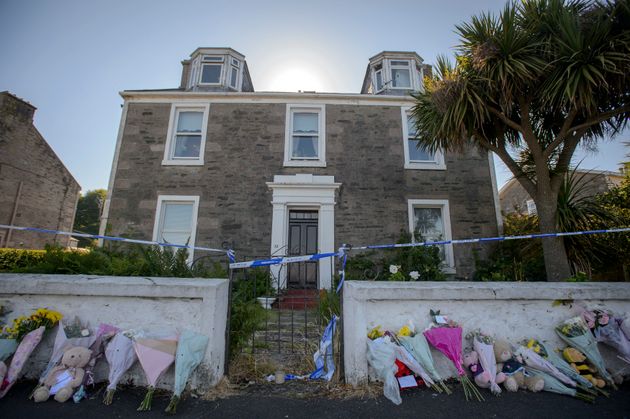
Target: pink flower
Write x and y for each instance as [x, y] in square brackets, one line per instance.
[591, 324]
[603, 320]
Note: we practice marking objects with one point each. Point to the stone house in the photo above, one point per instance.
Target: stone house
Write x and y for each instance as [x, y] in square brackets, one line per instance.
[214, 161]
[514, 198]
[36, 189]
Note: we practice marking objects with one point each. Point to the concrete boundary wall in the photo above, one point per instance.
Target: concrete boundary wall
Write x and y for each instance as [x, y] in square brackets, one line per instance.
[512, 311]
[155, 305]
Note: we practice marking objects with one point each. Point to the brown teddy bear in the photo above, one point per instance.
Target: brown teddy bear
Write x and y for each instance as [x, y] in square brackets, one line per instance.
[512, 367]
[65, 377]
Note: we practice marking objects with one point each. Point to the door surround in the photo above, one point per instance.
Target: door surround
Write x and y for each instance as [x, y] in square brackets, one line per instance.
[303, 191]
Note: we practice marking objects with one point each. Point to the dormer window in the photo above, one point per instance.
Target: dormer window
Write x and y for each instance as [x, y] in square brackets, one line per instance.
[211, 69]
[394, 73]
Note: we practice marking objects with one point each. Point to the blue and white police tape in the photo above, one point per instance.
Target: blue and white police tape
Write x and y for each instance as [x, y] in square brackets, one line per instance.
[229, 253]
[342, 250]
[493, 239]
[281, 261]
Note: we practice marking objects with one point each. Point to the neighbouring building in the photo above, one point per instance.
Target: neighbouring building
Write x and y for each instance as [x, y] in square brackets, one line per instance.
[36, 189]
[514, 198]
[214, 161]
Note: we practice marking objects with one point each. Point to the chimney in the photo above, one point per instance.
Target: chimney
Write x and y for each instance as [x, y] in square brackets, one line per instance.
[185, 74]
[16, 107]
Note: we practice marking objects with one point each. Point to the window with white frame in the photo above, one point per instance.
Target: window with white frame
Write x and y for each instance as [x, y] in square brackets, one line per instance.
[176, 220]
[401, 74]
[186, 136]
[378, 77]
[211, 68]
[430, 221]
[305, 139]
[234, 73]
[416, 157]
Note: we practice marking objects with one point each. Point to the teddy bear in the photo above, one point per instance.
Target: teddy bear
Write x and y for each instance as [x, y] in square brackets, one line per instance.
[65, 377]
[515, 375]
[481, 377]
[578, 363]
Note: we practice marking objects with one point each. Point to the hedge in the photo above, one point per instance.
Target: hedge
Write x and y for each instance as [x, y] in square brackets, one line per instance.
[11, 259]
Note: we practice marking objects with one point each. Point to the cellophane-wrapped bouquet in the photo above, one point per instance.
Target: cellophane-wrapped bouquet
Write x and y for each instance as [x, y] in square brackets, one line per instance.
[381, 355]
[446, 336]
[483, 344]
[418, 347]
[546, 351]
[575, 333]
[607, 329]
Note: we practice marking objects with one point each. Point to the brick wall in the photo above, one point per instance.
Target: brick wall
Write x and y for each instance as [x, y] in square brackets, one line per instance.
[48, 195]
[245, 149]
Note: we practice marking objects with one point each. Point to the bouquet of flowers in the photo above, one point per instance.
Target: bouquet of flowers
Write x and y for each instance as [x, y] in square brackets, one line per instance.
[23, 325]
[575, 333]
[381, 355]
[155, 355]
[24, 350]
[484, 346]
[190, 351]
[103, 334]
[554, 385]
[418, 347]
[120, 356]
[8, 345]
[607, 329]
[545, 351]
[446, 336]
[407, 359]
[536, 362]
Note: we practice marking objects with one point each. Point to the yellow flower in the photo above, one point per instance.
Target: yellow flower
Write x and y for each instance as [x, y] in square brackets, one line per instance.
[404, 331]
[375, 333]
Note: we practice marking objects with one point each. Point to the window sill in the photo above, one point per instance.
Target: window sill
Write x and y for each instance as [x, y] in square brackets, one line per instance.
[425, 166]
[304, 163]
[182, 162]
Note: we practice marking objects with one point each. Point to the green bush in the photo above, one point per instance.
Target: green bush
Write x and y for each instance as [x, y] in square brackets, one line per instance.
[115, 261]
[11, 259]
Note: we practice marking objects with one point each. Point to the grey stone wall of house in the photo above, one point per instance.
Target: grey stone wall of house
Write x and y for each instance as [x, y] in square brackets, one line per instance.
[36, 189]
[245, 149]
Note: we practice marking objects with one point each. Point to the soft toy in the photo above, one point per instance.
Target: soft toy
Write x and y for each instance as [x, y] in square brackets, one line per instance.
[515, 375]
[65, 377]
[578, 362]
[481, 377]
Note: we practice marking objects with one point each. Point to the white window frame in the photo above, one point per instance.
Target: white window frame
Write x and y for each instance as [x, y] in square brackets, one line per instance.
[449, 258]
[162, 199]
[437, 163]
[220, 62]
[169, 147]
[234, 65]
[376, 72]
[400, 67]
[288, 136]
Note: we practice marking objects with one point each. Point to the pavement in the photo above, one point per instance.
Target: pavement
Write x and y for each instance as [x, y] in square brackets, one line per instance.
[303, 400]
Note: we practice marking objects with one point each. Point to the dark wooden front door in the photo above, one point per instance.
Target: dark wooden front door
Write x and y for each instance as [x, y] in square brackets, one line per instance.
[302, 241]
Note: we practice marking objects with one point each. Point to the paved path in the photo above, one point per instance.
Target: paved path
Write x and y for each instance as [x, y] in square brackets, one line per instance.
[271, 404]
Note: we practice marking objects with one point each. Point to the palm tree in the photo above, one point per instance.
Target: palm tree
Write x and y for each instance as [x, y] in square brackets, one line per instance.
[536, 81]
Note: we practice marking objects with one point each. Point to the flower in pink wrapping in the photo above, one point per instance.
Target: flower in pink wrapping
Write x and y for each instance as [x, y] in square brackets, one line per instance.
[448, 340]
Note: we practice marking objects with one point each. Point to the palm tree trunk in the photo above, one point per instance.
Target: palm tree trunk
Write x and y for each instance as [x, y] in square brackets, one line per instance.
[556, 261]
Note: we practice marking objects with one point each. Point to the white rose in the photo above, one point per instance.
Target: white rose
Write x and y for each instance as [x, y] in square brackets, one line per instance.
[393, 269]
[414, 275]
